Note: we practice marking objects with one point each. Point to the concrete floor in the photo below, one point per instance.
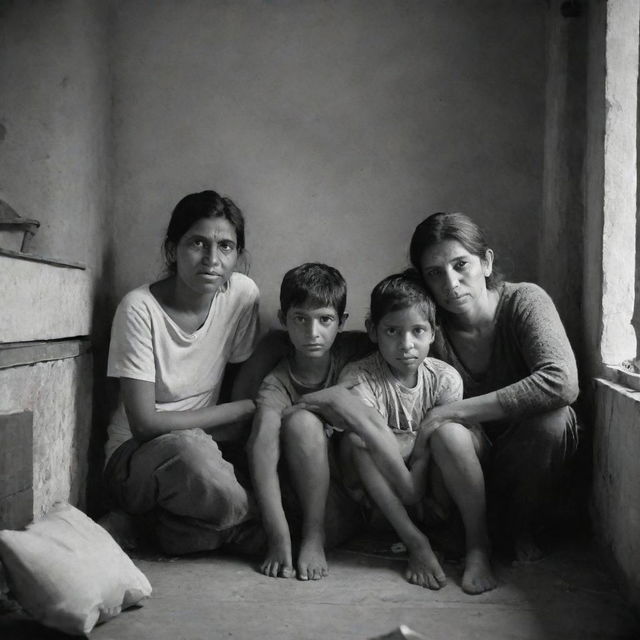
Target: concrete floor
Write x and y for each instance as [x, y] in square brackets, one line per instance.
[567, 595]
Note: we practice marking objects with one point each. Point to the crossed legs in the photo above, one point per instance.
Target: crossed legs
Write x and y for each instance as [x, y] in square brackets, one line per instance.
[183, 479]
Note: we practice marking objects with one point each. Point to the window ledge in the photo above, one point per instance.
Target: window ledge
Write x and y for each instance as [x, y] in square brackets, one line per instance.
[622, 376]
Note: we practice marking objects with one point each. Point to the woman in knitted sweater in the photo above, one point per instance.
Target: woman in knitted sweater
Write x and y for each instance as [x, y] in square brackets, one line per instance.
[519, 372]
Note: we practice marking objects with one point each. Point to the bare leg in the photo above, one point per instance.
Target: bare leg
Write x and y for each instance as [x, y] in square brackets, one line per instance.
[423, 568]
[305, 446]
[454, 451]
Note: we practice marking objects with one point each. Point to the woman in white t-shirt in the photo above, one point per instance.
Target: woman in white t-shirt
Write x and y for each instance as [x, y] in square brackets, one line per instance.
[172, 342]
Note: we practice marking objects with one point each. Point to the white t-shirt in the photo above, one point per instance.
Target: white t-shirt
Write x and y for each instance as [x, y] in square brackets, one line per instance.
[187, 368]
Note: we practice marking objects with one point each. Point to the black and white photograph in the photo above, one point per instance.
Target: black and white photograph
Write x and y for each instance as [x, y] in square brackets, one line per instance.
[319, 320]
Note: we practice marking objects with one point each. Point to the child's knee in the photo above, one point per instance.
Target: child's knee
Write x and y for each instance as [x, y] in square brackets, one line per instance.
[303, 429]
[451, 437]
[301, 418]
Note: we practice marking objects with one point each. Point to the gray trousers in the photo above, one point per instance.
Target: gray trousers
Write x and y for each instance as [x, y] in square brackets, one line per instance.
[527, 466]
[180, 478]
[198, 500]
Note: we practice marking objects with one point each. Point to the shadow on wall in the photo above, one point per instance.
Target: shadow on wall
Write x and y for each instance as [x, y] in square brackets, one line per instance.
[105, 390]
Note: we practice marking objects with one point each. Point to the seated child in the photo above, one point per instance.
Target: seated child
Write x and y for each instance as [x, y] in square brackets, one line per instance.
[402, 384]
[312, 310]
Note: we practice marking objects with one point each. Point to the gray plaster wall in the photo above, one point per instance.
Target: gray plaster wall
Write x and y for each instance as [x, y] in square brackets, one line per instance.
[561, 230]
[54, 119]
[336, 126]
[594, 187]
[54, 166]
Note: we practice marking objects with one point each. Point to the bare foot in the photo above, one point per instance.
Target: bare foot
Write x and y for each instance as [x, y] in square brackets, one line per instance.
[423, 568]
[312, 563]
[527, 550]
[277, 563]
[478, 576]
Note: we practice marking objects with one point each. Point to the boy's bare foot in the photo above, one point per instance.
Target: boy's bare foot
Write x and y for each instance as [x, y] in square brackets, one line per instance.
[312, 563]
[526, 549]
[478, 576]
[423, 568]
[277, 562]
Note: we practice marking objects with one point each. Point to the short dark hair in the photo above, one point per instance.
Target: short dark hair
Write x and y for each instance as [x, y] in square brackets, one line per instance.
[194, 207]
[401, 291]
[457, 226]
[315, 284]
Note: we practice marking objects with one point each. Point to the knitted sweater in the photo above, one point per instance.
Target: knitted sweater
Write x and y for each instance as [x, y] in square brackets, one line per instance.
[532, 366]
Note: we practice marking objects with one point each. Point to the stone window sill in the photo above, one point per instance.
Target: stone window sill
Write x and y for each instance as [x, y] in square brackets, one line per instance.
[624, 378]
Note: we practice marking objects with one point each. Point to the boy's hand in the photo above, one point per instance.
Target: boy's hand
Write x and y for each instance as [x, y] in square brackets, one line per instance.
[334, 404]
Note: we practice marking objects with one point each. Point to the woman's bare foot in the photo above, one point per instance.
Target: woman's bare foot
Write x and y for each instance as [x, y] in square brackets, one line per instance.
[526, 549]
[121, 527]
[312, 563]
[277, 563]
[478, 576]
[423, 568]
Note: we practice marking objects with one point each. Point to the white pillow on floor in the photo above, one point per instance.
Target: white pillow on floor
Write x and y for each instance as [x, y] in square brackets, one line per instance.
[68, 573]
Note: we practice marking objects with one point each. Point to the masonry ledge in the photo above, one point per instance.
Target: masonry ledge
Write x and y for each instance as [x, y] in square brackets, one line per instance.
[34, 257]
[616, 479]
[627, 381]
[620, 388]
[43, 299]
[27, 353]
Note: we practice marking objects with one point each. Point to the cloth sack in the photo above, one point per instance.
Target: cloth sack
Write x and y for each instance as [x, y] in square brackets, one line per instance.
[68, 573]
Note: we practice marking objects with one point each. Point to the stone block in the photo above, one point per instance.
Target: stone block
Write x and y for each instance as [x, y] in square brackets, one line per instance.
[16, 470]
[43, 300]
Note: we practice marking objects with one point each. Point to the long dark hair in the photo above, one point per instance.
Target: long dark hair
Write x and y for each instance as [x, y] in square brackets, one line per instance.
[451, 226]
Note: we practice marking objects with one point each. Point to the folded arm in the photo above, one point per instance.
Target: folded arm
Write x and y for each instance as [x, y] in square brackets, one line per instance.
[367, 428]
[146, 422]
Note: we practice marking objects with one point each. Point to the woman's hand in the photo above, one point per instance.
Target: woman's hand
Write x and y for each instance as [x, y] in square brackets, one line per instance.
[335, 405]
[434, 419]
